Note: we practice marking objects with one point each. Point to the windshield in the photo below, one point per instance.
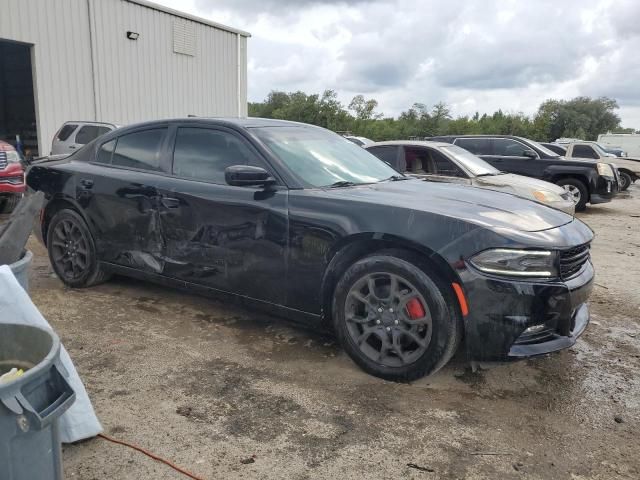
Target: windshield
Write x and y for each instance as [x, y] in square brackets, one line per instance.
[474, 164]
[600, 149]
[543, 149]
[322, 158]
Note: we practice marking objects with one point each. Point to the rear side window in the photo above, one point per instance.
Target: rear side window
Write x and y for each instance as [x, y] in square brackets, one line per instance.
[477, 146]
[386, 154]
[139, 150]
[584, 151]
[90, 132]
[106, 152]
[204, 154]
[66, 131]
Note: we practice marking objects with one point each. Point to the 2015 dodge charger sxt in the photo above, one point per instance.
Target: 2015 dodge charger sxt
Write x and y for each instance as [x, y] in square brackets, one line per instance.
[301, 221]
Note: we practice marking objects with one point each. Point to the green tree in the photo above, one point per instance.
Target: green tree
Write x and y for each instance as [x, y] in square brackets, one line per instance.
[581, 117]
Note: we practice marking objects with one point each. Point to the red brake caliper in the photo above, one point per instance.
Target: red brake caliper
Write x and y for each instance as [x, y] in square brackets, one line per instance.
[415, 309]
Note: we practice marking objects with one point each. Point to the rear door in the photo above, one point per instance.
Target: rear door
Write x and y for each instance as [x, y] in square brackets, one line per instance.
[118, 192]
[233, 239]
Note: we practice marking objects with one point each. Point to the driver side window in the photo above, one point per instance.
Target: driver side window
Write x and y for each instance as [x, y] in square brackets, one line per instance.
[204, 154]
[506, 147]
[444, 166]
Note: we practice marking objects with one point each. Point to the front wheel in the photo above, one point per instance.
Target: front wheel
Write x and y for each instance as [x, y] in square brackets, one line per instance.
[625, 181]
[577, 191]
[10, 204]
[394, 320]
[72, 251]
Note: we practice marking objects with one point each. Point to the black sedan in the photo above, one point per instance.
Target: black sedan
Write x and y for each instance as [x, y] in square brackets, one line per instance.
[304, 223]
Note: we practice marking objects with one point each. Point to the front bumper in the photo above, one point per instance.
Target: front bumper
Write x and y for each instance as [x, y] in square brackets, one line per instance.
[501, 311]
[606, 189]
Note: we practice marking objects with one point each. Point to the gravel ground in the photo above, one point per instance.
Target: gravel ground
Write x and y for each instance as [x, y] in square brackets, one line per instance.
[230, 393]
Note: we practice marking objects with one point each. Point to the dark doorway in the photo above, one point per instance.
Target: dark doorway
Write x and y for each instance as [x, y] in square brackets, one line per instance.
[17, 103]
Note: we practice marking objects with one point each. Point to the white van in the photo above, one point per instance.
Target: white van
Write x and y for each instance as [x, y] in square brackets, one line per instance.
[629, 142]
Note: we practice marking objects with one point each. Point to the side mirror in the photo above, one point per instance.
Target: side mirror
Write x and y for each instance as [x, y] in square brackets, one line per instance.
[247, 176]
[529, 154]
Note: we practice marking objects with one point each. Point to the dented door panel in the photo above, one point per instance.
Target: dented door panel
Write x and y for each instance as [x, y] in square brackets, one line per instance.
[232, 239]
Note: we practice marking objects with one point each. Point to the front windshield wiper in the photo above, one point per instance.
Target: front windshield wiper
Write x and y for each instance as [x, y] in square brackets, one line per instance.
[341, 183]
[396, 178]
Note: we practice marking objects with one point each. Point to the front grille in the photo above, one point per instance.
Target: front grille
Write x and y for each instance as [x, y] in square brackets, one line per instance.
[572, 260]
[3, 160]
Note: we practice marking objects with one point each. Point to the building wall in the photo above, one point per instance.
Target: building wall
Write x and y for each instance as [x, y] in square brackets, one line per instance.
[85, 68]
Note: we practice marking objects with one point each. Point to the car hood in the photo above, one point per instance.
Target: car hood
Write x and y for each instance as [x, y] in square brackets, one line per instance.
[488, 208]
[519, 183]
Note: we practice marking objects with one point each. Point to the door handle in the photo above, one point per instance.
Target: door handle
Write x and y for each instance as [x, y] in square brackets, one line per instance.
[72, 147]
[86, 183]
[169, 202]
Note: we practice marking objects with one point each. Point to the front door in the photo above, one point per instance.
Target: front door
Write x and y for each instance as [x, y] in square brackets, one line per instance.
[513, 156]
[233, 239]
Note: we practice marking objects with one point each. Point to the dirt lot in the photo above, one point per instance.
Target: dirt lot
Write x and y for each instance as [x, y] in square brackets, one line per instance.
[210, 386]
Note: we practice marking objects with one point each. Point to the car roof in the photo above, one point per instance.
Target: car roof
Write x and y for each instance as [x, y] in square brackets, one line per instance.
[479, 136]
[242, 122]
[412, 143]
[92, 122]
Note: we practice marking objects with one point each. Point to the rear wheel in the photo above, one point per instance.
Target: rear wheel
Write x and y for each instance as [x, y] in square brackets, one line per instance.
[577, 190]
[72, 250]
[625, 181]
[394, 320]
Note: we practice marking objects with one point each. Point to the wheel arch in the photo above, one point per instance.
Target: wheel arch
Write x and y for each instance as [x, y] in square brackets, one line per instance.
[351, 249]
[54, 206]
[634, 176]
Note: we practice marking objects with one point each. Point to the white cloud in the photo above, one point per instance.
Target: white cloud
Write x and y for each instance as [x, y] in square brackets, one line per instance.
[476, 56]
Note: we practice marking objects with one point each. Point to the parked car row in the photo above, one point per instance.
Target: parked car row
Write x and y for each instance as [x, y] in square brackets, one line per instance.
[306, 224]
[628, 168]
[444, 162]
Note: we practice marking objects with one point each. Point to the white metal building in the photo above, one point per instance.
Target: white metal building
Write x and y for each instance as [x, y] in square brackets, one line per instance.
[118, 61]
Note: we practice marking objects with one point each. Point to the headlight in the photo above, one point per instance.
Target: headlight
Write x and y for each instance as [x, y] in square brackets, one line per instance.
[605, 169]
[545, 196]
[517, 263]
[12, 156]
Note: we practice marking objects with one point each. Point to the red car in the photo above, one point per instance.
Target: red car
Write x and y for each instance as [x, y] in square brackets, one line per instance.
[12, 184]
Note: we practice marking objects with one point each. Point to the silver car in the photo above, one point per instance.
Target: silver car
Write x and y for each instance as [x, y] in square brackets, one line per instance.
[444, 162]
[73, 135]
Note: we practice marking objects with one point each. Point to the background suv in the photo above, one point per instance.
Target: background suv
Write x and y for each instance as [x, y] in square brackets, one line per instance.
[588, 181]
[73, 135]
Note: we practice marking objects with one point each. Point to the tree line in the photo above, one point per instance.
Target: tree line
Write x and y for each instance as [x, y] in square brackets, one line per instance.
[581, 117]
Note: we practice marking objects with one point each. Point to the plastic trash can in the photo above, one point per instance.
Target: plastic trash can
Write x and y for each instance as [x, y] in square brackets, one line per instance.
[31, 405]
[21, 269]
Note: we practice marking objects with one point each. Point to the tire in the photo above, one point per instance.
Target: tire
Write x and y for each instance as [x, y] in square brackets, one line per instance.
[72, 251]
[625, 181]
[439, 329]
[578, 190]
[10, 203]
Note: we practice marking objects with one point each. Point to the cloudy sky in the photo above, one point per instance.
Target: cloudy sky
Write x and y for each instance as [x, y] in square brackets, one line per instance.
[477, 55]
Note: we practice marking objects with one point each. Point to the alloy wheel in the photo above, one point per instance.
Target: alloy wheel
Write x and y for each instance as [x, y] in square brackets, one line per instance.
[574, 193]
[388, 319]
[70, 250]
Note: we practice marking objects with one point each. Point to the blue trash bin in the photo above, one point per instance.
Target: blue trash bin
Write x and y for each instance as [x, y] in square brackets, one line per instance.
[30, 406]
